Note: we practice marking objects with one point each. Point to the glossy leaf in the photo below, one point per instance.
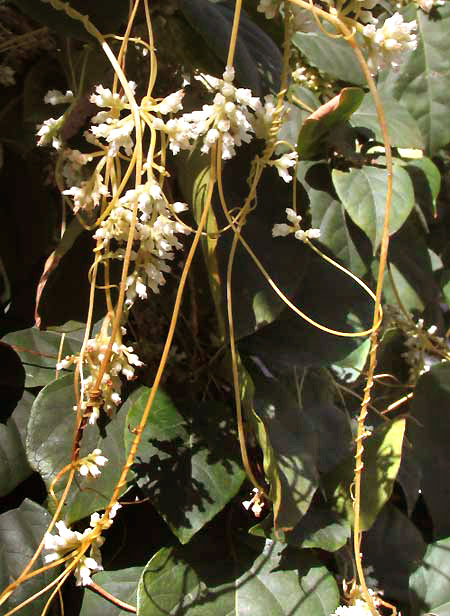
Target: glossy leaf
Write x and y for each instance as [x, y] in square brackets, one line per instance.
[334, 56]
[290, 449]
[382, 457]
[21, 531]
[319, 528]
[428, 434]
[402, 128]
[423, 80]
[39, 352]
[14, 467]
[429, 586]
[121, 584]
[273, 582]
[318, 126]
[49, 445]
[363, 195]
[406, 547]
[188, 460]
[257, 60]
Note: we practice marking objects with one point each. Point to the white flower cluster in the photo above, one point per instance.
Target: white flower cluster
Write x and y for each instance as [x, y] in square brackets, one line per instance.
[89, 464]
[122, 361]
[234, 117]
[155, 236]
[359, 608]
[256, 503]
[282, 229]
[67, 541]
[48, 132]
[285, 162]
[388, 44]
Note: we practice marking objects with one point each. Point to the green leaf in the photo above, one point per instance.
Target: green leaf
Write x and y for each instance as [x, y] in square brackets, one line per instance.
[39, 352]
[319, 125]
[14, 467]
[338, 233]
[49, 445]
[429, 435]
[202, 583]
[21, 531]
[402, 128]
[429, 584]
[382, 457]
[320, 528]
[423, 80]
[426, 179]
[187, 462]
[257, 59]
[411, 271]
[290, 448]
[406, 547]
[122, 584]
[363, 195]
[334, 56]
[105, 15]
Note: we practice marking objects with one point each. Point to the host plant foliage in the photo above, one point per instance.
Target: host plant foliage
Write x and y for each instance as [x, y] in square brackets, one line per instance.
[225, 284]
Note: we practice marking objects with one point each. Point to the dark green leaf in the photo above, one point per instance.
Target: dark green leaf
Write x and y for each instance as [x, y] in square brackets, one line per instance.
[320, 528]
[187, 462]
[325, 119]
[363, 194]
[257, 60]
[429, 584]
[382, 456]
[272, 583]
[14, 467]
[423, 80]
[427, 183]
[122, 584]
[21, 531]
[106, 15]
[39, 352]
[429, 435]
[49, 445]
[290, 447]
[334, 56]
[402, 128]
[406, 547]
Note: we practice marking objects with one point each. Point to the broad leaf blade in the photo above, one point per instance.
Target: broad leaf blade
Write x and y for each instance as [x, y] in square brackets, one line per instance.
[187, 461]
[21, 531]
[423, 80]
[121, 584]
[429, 584]
[363, 194]
[279, 584]
[382, 457]
[49, 445]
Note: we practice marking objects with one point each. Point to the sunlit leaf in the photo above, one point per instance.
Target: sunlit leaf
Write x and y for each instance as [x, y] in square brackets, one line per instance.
[382, 457]
[202, 583]
[423, 80]
[430, 589]
[363, 194]
[50, 441]
[187, 462]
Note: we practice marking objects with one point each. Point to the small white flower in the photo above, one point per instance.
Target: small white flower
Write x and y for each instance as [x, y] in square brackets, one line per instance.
[360, 608]
[89, 465]
[388, 44]
[282, 229]
[48, 132]
[284, 163]
[268, 7]
[55, 97]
